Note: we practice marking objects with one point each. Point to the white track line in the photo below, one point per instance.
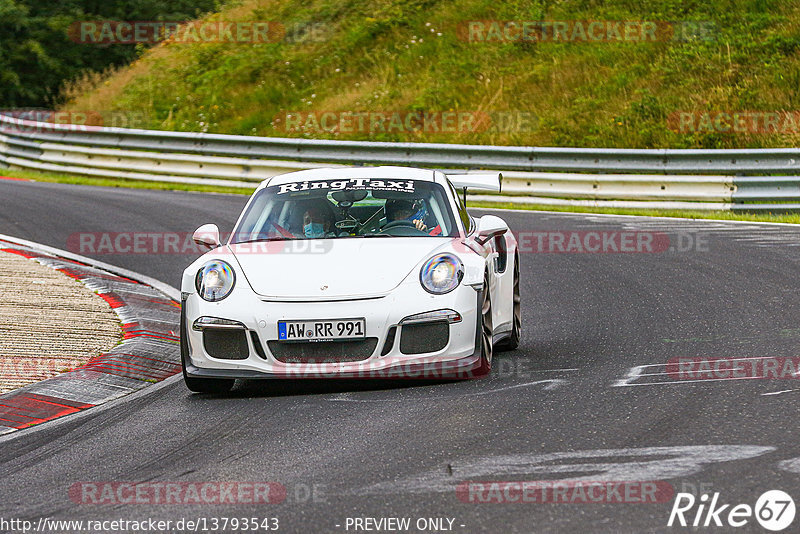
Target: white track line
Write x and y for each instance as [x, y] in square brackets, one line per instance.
[779, 392]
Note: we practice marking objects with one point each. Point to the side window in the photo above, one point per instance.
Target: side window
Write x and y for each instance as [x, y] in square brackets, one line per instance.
[466, 220]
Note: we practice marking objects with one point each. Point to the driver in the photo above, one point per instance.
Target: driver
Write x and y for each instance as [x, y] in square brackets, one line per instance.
[405, 210]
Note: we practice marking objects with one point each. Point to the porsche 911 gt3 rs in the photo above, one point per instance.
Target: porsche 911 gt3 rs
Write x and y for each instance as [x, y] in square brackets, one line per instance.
[352, 272]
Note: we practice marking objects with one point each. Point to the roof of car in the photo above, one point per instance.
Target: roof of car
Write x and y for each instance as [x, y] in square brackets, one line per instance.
[408, 173]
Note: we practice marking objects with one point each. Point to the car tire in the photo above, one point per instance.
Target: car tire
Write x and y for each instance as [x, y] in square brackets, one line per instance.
[512, 342]
[485, 328]
[200, 385]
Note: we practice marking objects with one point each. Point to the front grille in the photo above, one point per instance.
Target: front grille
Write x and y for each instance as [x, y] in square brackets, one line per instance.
[323, 351]
[424, 337]
[226, 344]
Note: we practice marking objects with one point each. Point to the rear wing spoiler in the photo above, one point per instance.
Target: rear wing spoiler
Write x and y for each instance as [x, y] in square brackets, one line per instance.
[488, 181]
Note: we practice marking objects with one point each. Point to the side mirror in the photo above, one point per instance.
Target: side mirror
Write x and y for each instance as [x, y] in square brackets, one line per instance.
[207, 235]
[489, 227]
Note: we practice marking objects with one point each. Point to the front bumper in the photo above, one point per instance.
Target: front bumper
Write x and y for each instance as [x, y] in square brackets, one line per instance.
[459, 358]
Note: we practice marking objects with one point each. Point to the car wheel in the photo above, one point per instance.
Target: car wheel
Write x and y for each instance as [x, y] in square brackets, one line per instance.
[512, 342]
[485, 328]
[200, 385]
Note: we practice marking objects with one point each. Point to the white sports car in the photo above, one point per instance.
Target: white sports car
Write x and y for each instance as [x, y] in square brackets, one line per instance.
[372, 272]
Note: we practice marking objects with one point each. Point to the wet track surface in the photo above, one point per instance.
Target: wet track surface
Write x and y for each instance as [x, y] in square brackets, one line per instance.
[588, 395]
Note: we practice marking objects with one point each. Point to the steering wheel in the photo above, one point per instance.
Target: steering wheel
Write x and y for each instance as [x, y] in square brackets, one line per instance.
[401, 229]
[395, 224]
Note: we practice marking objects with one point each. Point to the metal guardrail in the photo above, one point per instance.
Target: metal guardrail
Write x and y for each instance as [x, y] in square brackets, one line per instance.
[694, 179]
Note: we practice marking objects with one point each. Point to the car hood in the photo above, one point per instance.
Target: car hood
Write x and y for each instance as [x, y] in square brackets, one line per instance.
[333, 269]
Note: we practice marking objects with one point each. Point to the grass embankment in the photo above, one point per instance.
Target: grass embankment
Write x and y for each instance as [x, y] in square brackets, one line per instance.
[412, 56]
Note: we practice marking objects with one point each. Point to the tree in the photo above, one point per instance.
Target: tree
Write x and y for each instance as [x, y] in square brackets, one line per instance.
[37, 55]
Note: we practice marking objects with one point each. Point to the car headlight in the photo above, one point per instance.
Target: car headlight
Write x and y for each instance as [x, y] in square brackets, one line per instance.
[441, 274]
[215, 280]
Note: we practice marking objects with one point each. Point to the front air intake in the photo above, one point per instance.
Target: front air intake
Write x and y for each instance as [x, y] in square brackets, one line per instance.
[226, 344]
[424, 337]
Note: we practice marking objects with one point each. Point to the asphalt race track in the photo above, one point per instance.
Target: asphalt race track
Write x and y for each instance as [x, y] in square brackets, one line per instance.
[587, 396]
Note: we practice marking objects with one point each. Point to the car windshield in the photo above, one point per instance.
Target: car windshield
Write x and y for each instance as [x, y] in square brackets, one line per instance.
[347, 208]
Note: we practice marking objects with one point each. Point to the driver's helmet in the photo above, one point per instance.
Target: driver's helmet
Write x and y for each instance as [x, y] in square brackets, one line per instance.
[409, 210]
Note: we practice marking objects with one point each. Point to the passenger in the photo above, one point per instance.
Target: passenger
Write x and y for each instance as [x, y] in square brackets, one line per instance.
[317, 224]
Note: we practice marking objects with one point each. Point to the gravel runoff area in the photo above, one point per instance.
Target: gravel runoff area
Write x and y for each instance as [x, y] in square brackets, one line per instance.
[49, 323]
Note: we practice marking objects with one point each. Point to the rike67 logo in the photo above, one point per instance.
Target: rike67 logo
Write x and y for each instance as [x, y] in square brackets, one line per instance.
[774, 510]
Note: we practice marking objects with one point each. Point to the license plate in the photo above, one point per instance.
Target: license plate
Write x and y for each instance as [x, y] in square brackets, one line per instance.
[321, 330]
